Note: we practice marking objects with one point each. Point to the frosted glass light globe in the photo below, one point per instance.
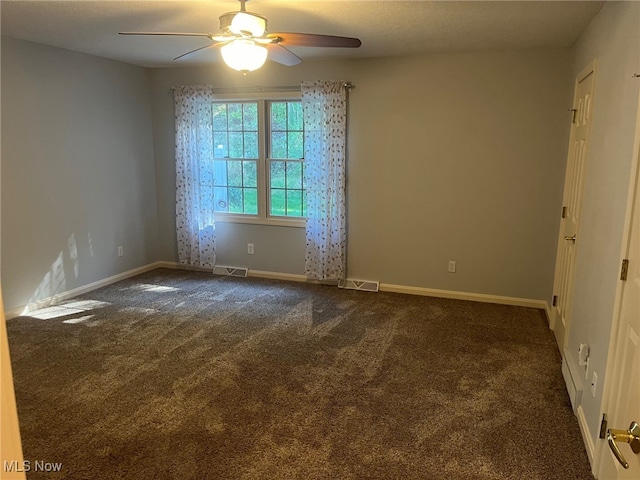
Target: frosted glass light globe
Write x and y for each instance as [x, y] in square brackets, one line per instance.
[244, 55]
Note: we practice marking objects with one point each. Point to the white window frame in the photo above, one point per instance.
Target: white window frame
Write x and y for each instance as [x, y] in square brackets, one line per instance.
[264, 182]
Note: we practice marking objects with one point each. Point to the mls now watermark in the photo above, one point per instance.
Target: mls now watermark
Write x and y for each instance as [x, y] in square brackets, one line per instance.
[29, 466]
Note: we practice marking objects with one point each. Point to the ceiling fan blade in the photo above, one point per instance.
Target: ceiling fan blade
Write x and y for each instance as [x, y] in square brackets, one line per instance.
[314, 40]
[280, 54]
[197, 50]
[178, 34]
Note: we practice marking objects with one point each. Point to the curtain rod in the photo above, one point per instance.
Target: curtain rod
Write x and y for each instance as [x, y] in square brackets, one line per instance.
[260, 89]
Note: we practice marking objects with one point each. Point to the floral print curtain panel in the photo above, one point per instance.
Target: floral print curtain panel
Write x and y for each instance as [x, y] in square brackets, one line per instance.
[195, 225]
[324, 105]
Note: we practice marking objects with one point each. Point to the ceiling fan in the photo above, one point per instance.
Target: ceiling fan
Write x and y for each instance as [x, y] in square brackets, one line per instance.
[245, 43]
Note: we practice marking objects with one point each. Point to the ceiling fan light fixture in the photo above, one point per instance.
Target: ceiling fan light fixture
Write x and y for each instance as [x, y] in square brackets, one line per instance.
[244, 55]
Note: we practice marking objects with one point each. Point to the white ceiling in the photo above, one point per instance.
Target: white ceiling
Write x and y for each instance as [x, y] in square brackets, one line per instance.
[386, 28]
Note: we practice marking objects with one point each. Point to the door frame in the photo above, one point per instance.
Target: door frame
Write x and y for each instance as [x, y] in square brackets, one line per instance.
[612, 373]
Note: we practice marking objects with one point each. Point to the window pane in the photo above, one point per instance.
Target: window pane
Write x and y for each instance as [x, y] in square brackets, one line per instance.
[295, 143]
[235, 200]
[294, 175]
[278, 145]
[220, 172]
[278, 116]
[250, 111]
[235, 116]
[251, 201]
[220, 116]
[250, 173]
[294, 110]
[221, 202]
[236, 145]
[294, 203]
[220, 145]
[277, 174]
[234, 169]
[277, 202]
[250, 145]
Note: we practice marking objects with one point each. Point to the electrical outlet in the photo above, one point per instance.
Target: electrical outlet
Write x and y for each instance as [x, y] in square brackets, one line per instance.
[120, 251]
[250, 248]
[594, 383]
[452, 266]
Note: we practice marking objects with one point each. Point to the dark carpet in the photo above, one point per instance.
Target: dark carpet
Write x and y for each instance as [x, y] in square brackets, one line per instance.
[185, 375]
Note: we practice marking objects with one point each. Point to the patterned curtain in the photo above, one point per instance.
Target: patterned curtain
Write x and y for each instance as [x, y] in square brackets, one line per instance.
[324, 105]
[195, 225]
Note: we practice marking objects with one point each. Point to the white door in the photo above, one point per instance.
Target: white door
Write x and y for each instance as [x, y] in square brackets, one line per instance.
[623, 368]
[572, 202]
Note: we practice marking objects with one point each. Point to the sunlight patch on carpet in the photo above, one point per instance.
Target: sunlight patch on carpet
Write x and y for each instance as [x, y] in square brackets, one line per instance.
[66, 309]
[146, 287]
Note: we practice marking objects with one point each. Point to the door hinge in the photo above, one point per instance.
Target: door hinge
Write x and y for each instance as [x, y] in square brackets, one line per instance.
[573, 112]
[624, 270]
[564, 212]
[603, 426]
[554, 301]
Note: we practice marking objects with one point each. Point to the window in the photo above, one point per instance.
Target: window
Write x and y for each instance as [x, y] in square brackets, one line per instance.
[258, 161]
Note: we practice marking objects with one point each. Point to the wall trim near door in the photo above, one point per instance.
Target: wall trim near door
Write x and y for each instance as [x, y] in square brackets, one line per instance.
[384, 287]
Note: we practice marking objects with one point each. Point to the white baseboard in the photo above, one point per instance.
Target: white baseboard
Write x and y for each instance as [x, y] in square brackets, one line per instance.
[573, 384]
[384, 287]
[474, 297]
[293, 277]
[180, 266]
[550, 317]
[61, 297]
[586, 434]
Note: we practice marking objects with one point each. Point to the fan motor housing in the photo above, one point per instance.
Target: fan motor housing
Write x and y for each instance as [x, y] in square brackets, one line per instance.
[227, 18]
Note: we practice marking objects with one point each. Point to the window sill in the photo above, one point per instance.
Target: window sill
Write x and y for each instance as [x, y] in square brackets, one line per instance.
[255, 220]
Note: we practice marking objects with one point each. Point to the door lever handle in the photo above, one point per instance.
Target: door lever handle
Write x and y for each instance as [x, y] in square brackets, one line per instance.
[631, 436]
[571, 238]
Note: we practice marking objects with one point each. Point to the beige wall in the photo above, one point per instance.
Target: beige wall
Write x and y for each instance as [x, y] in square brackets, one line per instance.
[77, 170]
[451, 157]
[613, 40]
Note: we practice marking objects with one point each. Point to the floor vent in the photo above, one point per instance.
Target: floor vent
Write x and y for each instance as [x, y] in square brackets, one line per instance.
[364, 285]
[230, 271]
